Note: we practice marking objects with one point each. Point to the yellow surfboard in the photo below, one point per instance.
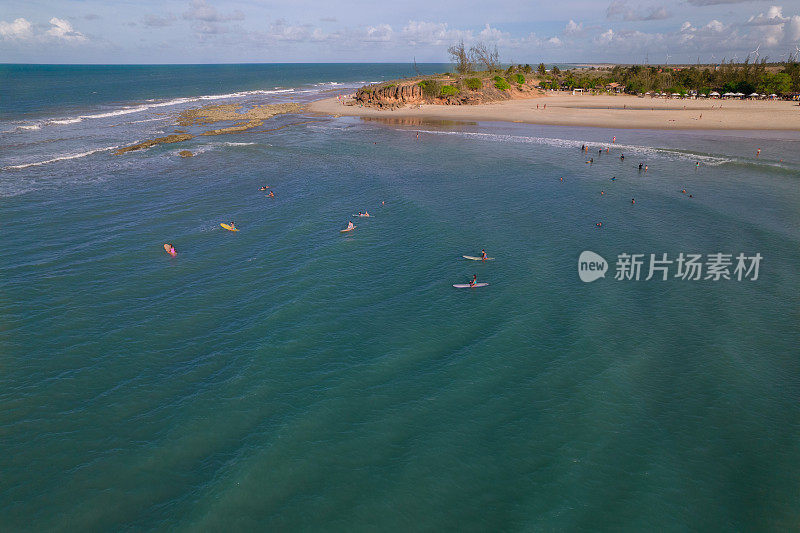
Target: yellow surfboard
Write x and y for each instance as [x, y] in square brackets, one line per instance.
[228, 227]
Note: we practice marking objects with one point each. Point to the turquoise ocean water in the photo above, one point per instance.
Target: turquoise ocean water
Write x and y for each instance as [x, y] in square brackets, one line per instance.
[291, 377]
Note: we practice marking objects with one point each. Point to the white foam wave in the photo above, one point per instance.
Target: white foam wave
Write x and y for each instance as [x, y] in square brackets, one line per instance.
[571, 143]
[154, 104]
[148, 120]
[59, 158]
[67, 121]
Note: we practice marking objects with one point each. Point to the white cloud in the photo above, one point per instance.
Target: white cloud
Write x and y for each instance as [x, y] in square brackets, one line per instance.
[555, 41]
[155, 21]
[19, 29]
[621, 9]
[432, 33]
[573, 28]
[281, 31]
[493, 35]
[62, 29]
[379, 33]
[201, 10]
[606, 37]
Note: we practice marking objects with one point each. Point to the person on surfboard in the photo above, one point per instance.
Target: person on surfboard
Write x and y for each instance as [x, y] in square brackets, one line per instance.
[349, 224]
[474, 280]
[484, 257]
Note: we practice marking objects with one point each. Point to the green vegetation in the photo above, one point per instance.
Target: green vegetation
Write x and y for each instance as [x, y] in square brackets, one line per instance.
[501, 84]
[430, 88]
[732, 77]
[473, 84]
[448, 90]
[517, 78]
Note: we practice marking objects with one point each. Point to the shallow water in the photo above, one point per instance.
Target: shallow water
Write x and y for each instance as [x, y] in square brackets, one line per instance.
[288, 376]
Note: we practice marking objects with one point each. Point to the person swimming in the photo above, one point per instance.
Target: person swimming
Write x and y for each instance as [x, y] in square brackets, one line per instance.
[683, 191]
[562, 179]
[633, 200]
[645, 168]
[599, 224]
[613, 178]
[474, 280]
[264, 188]
[697, 164]
[622, 157]
[602, 193]
[640, 167]
[271, 195]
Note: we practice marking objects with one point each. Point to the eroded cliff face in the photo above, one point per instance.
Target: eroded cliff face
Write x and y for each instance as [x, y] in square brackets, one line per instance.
[389, 96]
[402, 93]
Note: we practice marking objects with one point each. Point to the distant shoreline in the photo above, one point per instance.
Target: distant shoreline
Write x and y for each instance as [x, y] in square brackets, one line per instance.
[602, 111]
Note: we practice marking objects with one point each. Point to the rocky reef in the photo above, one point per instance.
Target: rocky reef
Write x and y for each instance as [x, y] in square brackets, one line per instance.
[152, 142]
[211, 114]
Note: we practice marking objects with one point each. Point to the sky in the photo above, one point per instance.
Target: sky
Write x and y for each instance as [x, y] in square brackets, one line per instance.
[524, 31]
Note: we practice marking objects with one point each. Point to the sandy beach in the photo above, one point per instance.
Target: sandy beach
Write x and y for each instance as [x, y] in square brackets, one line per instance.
[608, 111]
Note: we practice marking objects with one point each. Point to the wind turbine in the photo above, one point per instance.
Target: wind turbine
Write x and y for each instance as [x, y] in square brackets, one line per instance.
[666, 61]
[755, 52]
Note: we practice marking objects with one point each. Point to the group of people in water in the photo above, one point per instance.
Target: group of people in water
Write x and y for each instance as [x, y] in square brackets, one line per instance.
[642, 167]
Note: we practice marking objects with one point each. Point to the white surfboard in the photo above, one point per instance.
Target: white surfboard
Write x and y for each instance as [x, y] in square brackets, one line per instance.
[468, 286]
[477, 258]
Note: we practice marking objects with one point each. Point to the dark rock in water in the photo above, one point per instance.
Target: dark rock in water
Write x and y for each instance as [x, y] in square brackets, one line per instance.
[152, 142]
[185, 153]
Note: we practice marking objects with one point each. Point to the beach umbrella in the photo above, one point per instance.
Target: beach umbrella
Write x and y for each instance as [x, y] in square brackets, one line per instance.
[773, 94]
[713, 93]
[755, 94]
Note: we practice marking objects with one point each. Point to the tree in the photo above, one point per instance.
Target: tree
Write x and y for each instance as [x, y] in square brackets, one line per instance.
[487, 56]
[556, 71]
[461, 57]
[541, 69]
